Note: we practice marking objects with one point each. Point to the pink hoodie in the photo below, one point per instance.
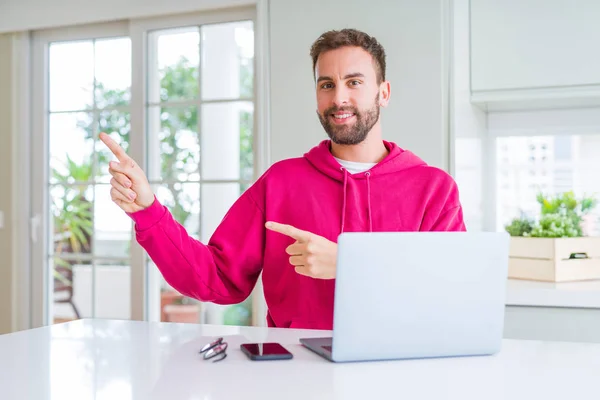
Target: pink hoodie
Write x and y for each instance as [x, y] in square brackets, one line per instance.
[312, 193]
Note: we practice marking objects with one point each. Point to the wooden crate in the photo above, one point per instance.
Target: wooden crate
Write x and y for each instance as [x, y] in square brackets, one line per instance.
[551, 260]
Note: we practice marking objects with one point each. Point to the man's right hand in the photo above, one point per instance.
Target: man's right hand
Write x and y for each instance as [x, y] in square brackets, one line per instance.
[130, 188]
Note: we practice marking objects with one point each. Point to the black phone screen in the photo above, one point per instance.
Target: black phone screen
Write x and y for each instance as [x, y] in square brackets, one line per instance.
[265, 351]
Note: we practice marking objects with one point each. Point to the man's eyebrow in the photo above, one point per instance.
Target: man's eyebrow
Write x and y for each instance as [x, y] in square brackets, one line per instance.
[348, 76]
[354, 75]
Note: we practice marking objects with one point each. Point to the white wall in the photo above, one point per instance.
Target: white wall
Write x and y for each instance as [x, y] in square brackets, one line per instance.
[545, 122]
[411, 33]
[535, 43]
[20, 15]
[468, 127]
[7, 288]
[552, 323]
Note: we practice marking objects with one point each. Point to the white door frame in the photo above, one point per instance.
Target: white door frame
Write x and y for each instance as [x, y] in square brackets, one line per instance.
[37, 280]
[41, 293]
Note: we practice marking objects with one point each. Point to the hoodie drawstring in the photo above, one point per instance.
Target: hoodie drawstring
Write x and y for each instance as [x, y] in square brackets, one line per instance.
[344, 202]
[370, 216]
[368, 175]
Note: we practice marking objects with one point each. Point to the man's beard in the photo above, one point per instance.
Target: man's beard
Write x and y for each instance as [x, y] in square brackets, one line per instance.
[350, 134]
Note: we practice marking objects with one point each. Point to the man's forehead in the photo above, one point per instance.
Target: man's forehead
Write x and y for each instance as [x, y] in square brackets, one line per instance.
[345, 61]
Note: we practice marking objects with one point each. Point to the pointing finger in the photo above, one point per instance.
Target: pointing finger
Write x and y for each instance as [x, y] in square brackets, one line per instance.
[288, 230]
[114, 148]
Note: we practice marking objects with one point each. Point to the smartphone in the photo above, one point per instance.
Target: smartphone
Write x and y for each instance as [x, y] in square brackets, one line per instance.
[265, 351]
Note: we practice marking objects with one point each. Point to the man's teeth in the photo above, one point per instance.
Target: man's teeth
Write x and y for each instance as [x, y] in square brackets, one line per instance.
[342, 116]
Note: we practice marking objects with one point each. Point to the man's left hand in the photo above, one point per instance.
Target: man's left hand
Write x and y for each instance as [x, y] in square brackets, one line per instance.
[312, 255]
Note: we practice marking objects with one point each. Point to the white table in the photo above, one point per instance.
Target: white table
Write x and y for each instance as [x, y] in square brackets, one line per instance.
[103, 359]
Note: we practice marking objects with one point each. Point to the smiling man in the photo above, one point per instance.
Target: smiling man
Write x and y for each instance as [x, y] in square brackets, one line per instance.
[286, 224]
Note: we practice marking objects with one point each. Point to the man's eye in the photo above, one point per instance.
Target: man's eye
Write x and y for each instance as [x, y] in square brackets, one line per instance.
[354, 83]
[326, 86]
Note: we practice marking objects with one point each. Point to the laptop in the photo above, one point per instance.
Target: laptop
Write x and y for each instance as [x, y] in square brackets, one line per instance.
[406, 295]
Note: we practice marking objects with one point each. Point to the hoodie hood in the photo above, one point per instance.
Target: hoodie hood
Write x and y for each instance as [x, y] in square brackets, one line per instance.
[398, 159]
[320, 158]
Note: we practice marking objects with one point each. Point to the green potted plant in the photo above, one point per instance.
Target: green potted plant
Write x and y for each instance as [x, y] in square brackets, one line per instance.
[554, 247]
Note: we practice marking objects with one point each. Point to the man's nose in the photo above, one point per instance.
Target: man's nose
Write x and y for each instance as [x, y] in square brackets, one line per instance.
[340, 98]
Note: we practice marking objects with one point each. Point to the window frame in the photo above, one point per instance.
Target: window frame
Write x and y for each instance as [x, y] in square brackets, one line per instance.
[146, 281]
[528, 123]
[41, 284]
[143, 281]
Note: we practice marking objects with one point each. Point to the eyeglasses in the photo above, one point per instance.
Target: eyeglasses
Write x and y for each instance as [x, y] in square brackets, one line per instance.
[215, 350]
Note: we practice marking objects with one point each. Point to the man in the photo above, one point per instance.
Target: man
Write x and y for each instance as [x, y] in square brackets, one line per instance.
[287, 223]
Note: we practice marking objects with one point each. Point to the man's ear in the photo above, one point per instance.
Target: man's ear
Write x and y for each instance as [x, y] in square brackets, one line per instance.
[384, 93]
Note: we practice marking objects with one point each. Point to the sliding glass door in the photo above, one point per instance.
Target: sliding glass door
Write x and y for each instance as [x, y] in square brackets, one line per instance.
[178, 93]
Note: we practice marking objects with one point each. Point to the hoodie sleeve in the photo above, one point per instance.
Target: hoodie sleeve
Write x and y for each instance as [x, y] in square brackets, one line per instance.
[449, 220]
[223, 271]
[444, 211]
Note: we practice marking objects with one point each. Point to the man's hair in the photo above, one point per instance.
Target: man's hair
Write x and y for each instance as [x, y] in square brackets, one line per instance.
[332, 40]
